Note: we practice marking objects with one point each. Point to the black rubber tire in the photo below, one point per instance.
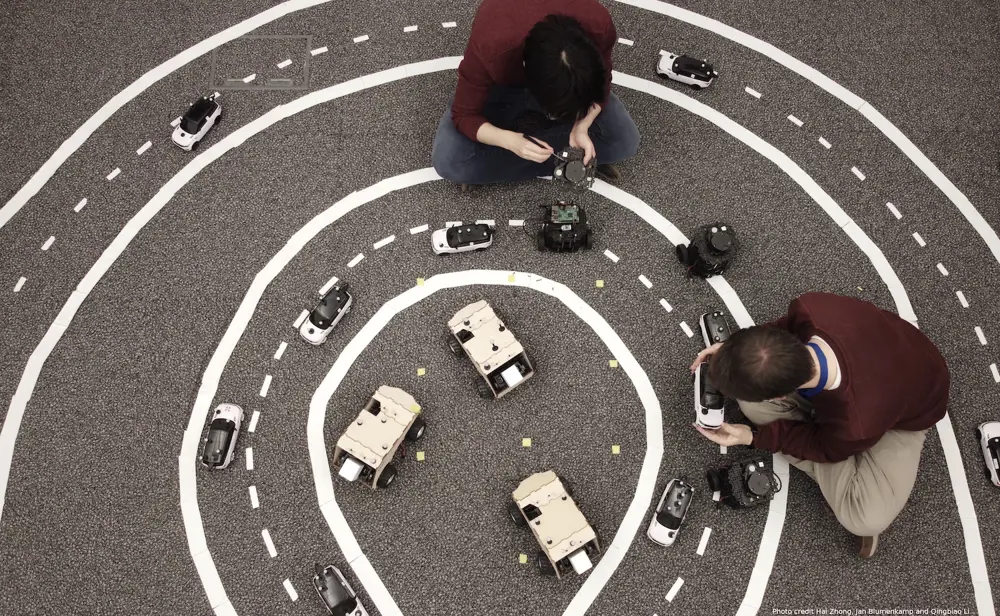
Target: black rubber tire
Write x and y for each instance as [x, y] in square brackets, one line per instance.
[194, 146]
[695, 86]
[589, 243]
[387, 476]
[416, 431]
[484, 389]
[454, 345]
[544, 566]
[515, 514]
[541, 241]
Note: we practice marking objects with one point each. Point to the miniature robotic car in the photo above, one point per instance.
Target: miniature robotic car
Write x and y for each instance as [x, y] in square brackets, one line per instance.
[714, 327]
[989, 438]
[200, 117]
[335, 593]
[745, 484]
[698, 74]
[220, 444]
[545, 503]
[710, 252]
[499, 357]
[709, 404]
[462, 238]
[566, 229]
[367, 447]
[326, 315]
[670, 512]
[569, 166]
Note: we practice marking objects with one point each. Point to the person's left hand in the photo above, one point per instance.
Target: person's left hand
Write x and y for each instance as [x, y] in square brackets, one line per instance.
[728, 435]
[580, 138]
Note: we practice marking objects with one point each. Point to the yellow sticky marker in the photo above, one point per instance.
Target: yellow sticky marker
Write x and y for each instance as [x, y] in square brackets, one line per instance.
[510, 278]
[613, 363]
[600, 284]
[523, 559]
[415, 408]
[616, 449]
[421, 371]
[420, 282]
[525, 442]
[420, 456]
[860, 289]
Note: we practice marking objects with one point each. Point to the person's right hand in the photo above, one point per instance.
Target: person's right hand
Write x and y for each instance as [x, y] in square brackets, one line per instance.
[704, 355]
[527, 150]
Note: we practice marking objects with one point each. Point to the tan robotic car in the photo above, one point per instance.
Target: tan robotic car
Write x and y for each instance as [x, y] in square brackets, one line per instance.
[499, 357]
[369, 444]
[545, 503]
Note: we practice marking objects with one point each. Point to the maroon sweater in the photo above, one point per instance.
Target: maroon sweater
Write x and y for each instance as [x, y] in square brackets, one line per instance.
[892, 378]
[495, 51]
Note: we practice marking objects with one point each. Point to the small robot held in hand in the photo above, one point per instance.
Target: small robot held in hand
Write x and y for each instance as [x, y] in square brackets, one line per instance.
[709, 403]
[570, 167]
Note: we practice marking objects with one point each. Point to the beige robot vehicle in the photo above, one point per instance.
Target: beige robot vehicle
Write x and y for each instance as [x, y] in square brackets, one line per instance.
[499, 357]
[545, 503]
[368, 446]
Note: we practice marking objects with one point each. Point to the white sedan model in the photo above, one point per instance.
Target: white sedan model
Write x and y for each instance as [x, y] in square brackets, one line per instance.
[462, 238]
[989, 439]
[196, 122]
[709, 403]
[698, 74]
[222, 434]
[670, 512]
[326, 315]
[336, 593]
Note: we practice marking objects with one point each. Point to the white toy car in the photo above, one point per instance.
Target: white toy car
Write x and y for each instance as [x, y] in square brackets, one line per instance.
[989, 437]
[220, 444]
[698, 74]
[462, 238]
[709, 403]
[670, 512]
[326, 315]
[200, 117]
[336, 594]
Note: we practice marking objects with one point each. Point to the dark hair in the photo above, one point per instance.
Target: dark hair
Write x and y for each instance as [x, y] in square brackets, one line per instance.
[760, 363]
[564, 70]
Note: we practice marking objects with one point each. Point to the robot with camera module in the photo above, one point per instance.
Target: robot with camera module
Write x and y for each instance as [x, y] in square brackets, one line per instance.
[709, 403]
[570, 167]
[500, 359]
[565, 229]
[744, 484]
[710, 252]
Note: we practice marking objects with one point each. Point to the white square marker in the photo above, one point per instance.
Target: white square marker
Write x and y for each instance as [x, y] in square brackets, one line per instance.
[270, 544]
[941, 269]
[356, 260]
[266, 386]
[981, 335]
[723, 449]
[249, 456]
[857, 172]
[48, 243]
[253, 421]
[996, 373]
[20, 284]
[716, 496]
[645, 281]
[114, 174]
[625, 41]
[291, 591]
[281, 350]
[961, 299]
[489, 222]
[752, 92]
[361, 39]
[674, 589]
[919, 239]
[318, 50]
[666, 305]
[302, 317]
[142, 149]
[516, 223]
[254, 501]
[410, 29]
[794, 120]
[420, 229]
[611, 255]
[176, 122]
[448, 24]
[687, 330]
[250, 78]
[284, 63]
[895, 212]
[704, 541]
[80, 205]
[826, 144]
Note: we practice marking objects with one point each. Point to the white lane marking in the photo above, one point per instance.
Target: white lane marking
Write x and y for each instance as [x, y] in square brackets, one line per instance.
[361, 39]
[142, 149]
[48, 243]
[270, 544]
[941, 269]
[384, 242]
[687, 330]
[704, 541]
[250, 78]
[625, 41]
[329, 285]
[645, 281]
[284, 63]
[716, 496]
[487, 221]
[826, 144]
[611, 255]
[452, 223]
[281, 350]
[516, 223]
[857, 172]
[356, 260]
[294, 596]
[253, 422]
[919, 239]
[666, 305]
[723, 449]
[318, 51]
[674, 589]
[981, 335]
[176, 122]
[114, 173]
[752, 92]
[794, 120]
[254, 501]
[895, 212]
[20, 284]
[996, 373]
[216, 95]
[420, 229]
[266, 386]
[448, 24]
[302, 317]
[961, 299]
[249, 457]
[80, 205]
[410, 29]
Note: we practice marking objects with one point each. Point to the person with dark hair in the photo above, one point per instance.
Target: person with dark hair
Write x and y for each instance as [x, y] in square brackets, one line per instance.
[535, 77]
[847, 392]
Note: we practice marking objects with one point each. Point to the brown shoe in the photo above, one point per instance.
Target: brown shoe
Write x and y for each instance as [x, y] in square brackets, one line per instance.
[868, 546]
[465, 189]
[609, 173]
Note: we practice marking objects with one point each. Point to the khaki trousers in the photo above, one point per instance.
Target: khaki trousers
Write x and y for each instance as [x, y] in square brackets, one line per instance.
[866, 491]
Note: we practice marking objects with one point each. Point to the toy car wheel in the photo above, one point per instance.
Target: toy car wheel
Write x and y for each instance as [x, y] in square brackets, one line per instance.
[541, 241]
[218, 119]
[483, 389]
[454, 344]
[416, 430]
[989, 475]
[589, 243]
[515, 514]
[387, 476]
[979, 435]
[695, 86]
[194, 146]
[544, 566]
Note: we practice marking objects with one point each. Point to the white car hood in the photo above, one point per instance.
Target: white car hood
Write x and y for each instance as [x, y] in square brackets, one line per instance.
[660, 534]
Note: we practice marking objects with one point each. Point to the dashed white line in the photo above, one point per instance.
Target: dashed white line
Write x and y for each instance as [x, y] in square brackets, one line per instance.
[318, 51]
[356, 260]
[114, 174]
[961, 299]
[266, 386]
[281, 350]
[20, 284]
[254, 501]
[48, 243]
[384, 242]
[284, 63]
[941, 269]
[410, 29]
[666, 305]
[687, 330]
[329, 285]
[420, 229]
[752, 92]
[857, 172]
[674, 589]
[996, 373]
[516, 223]
[270, 544]
[253, 421]
[250, 78]
[448, 24]
[361, 39]
[826, 144]
[302, 317]
[919, 239]
[645, 281]
[142, 149]
[176, 121]
[611, 255]
[895, 212]
[794, 120]
[489, 222]
[249, 457]
[80, 205]
[981, 335]
[716, 496]
[453, 223]
[704, 541]
[291, 591]
[625, 41]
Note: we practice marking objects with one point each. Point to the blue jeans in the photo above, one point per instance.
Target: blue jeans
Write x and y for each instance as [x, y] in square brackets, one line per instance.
[457, 158]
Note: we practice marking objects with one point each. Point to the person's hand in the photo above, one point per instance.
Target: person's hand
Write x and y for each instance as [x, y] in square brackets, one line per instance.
[580, 138]
[526, 149]
[728, 435]
[704, 355]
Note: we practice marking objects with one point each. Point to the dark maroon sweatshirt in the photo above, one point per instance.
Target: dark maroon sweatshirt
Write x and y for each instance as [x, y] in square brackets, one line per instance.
[495, 51]
[892, 378]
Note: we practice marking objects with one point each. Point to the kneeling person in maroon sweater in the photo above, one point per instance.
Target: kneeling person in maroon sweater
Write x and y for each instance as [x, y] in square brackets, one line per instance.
[847, 392]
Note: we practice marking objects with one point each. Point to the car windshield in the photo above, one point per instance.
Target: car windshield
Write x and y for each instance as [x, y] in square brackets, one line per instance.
[469, 234]
[345, 607]
[665, 518]
[219, 435]
[195, 116]
[328, 309]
